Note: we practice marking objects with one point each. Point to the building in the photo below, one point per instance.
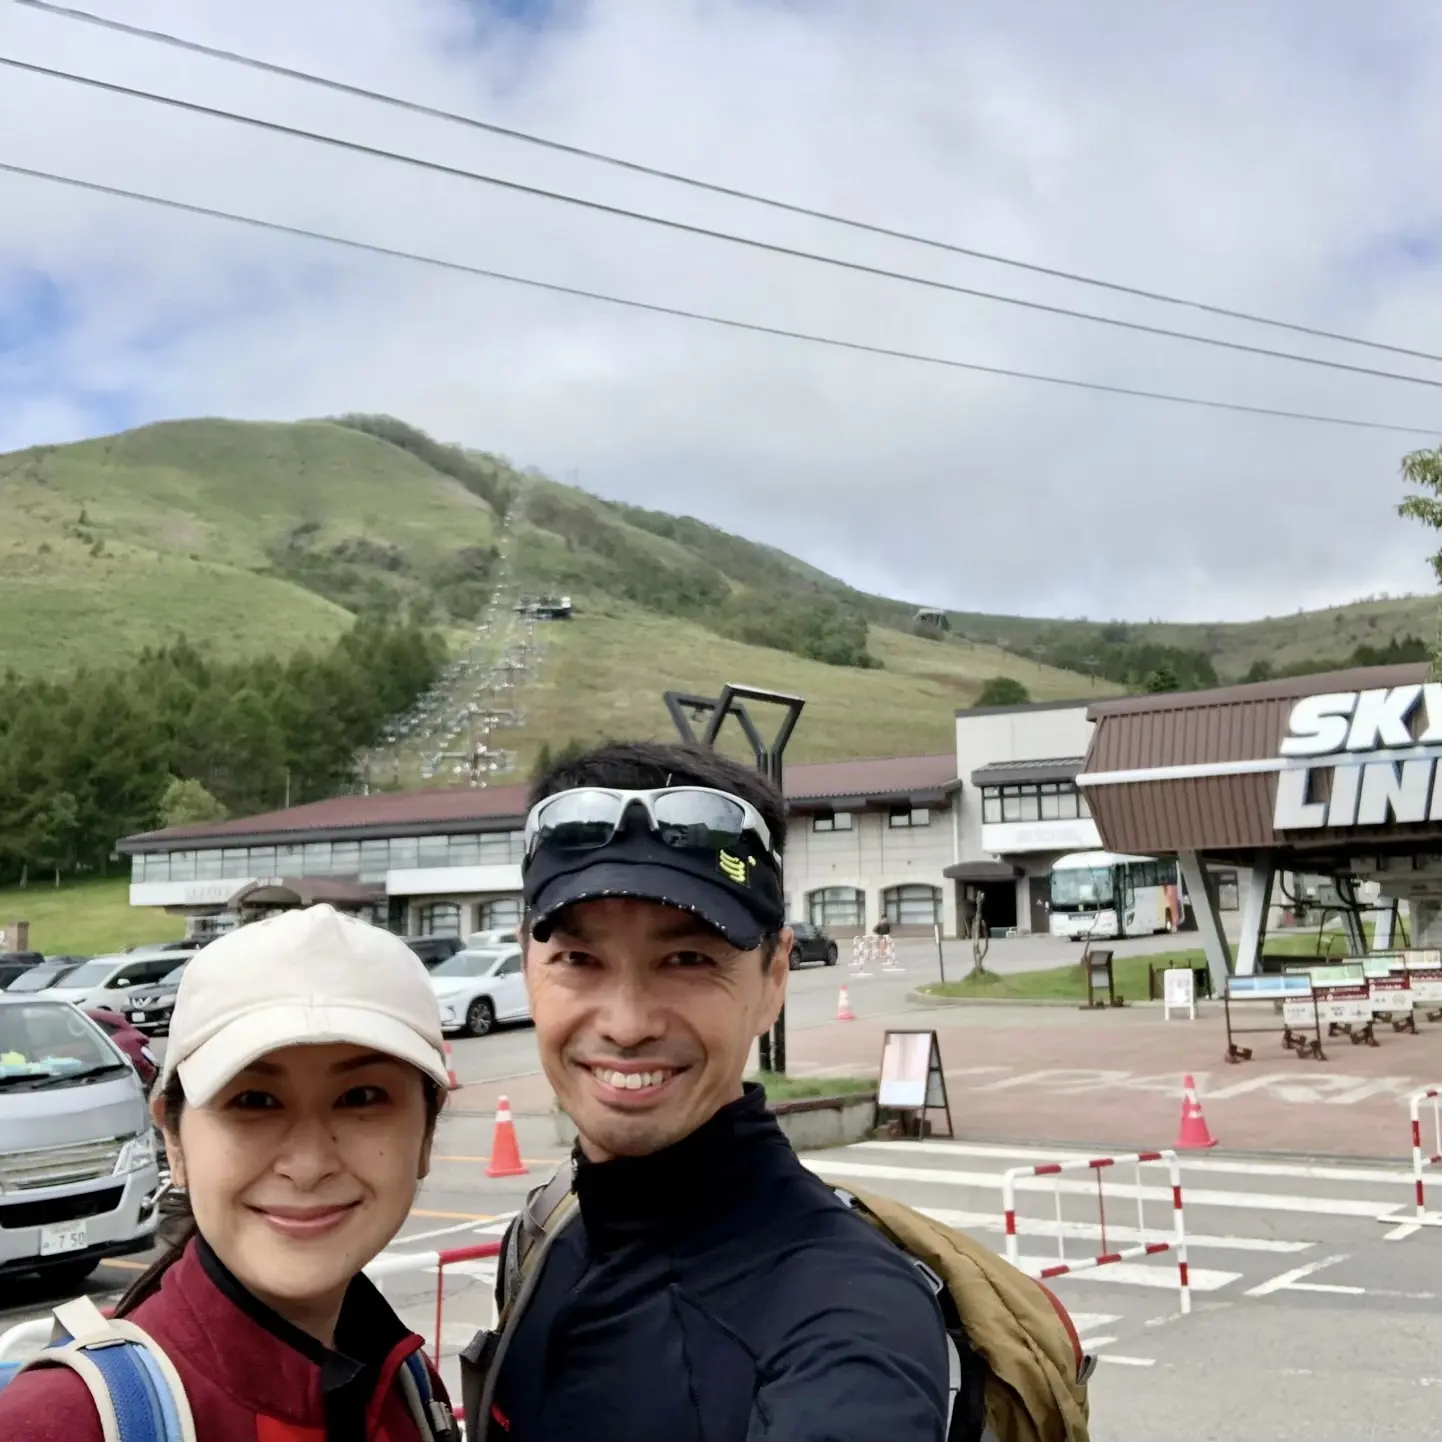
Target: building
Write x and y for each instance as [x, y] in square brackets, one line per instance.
[866, 839]
[1330, 776]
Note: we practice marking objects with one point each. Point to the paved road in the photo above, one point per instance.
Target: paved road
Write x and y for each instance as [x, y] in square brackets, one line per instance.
[1311, 1318]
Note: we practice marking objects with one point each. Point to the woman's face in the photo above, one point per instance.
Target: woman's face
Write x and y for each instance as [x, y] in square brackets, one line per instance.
[302, 1170]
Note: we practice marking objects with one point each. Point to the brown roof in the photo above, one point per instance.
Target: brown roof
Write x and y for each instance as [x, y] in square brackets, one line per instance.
[1012, 773]
[1196, 728]
[498, 808]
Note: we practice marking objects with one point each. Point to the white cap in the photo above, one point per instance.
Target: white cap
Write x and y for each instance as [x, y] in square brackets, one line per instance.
[300, 978]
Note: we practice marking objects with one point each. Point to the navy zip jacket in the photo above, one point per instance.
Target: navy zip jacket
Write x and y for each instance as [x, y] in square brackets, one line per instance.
[718, 1292]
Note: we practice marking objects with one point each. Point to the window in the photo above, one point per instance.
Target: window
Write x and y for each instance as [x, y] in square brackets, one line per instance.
[375, 860]
[315, 859]
[207, 865]
[510, 966]
[262, 861]
[235, 862]
[502, 848]
[502, 914]
[465, 851]
[289, 860]
[1040, 801]
[434, 850]
[831, 821]
[910, 816]
[182, 866]
[441, 918]
[834, 907]
[344, 858]
[404, 854]
[912, 905]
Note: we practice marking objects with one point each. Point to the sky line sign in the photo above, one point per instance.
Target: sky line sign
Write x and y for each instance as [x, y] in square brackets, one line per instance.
[1380, 771]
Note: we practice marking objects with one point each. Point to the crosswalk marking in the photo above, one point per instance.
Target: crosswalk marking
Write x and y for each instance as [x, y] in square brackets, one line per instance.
[1091, 1231]
[1195, 1197]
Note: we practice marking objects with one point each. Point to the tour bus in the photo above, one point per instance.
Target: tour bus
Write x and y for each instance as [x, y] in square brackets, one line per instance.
[1096, 894]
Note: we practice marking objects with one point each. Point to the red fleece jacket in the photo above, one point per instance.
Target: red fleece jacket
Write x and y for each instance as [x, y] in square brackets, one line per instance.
[249, 1375]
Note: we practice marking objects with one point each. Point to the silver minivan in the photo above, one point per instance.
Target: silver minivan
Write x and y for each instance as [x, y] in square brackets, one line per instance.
[79, 1180]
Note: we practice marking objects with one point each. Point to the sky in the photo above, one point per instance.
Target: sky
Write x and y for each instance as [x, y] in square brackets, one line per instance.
[1272, 156]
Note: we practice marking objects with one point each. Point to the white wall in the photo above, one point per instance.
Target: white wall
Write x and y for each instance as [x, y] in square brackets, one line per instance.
[871, 857]
[1030, 735]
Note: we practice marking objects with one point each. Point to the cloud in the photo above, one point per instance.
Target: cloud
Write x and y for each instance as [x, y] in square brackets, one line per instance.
[1266, 158]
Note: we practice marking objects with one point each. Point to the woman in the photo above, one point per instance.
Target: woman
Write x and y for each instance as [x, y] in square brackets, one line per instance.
[298, 1097]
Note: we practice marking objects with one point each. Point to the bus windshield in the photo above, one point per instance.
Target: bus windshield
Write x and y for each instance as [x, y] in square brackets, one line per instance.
[1081, 889]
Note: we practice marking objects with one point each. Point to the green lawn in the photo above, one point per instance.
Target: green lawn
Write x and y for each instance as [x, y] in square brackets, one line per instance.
[86, 918]
[1068, 983]
[790, 1088]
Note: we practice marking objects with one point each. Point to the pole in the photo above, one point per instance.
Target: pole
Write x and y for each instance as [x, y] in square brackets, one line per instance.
[940, 953]
[771, 1047]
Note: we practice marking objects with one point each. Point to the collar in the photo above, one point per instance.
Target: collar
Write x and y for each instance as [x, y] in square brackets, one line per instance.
[693, 1179]
[278, 1370]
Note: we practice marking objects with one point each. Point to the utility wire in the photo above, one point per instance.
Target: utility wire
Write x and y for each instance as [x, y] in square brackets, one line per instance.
[751, 197]
[517, 187]
[707, 318]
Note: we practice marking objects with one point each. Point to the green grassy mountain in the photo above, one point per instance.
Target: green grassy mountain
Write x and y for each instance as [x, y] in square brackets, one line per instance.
[255, 538]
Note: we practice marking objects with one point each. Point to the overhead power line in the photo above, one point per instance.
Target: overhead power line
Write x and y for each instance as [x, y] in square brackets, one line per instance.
[730, 192]
[728, 322]
[462, 173]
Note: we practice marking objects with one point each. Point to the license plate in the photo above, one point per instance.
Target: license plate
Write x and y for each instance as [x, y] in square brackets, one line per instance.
[137, 1016]
[68, 1237]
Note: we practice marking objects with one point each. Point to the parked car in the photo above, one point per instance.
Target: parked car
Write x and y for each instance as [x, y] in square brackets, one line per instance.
[51, 972]
[434, 949]
[486, 940]
[479, 989]
[79, 1180]
[811, 944]
[148, 1008]
[106, 981]
[132, 1042]
[14, 964]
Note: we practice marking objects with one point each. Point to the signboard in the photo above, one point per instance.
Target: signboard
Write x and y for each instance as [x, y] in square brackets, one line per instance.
[1260, 988]
[1343, 997]
[1424, 976]
[1380, 772]
[911, 1076]
[1179, 992]
[1387, 984]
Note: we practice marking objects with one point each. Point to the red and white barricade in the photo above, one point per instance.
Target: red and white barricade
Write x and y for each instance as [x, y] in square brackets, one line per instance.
[1174, 1240]
[863, 951]
[1422, 1160]
[390, 1264]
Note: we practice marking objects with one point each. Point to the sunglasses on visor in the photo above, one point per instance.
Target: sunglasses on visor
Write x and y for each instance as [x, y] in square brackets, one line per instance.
[690, 818]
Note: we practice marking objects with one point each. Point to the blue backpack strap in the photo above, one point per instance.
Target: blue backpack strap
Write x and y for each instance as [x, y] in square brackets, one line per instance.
[436, 1420]
[137, 1391]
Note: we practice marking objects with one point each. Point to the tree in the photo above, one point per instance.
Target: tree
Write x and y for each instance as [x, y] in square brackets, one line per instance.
[1162, 679]
[1003, 691]
[1424, 470]
[188, 803]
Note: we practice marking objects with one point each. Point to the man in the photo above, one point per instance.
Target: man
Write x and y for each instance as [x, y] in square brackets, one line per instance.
[706, 1285]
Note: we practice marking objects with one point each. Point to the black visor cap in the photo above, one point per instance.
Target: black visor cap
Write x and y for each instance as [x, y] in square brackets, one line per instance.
[736, 892]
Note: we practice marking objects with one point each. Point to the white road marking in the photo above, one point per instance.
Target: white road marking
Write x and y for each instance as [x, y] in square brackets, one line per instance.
[1091, 1231]
[1398, 1233]
[1095, 1344]
[1127, 1361]
[1288, 1170]
[1086, 1321]
[409, 1237]
[1284, 1280]
[1193, 1197]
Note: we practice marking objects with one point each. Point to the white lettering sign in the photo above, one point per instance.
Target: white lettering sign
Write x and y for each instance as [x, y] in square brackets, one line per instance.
[1362, 765]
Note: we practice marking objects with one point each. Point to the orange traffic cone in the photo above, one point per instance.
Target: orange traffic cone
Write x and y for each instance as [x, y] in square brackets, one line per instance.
[843, 1007]
[1194, 1135]
[451, 1068]
[505, 1153]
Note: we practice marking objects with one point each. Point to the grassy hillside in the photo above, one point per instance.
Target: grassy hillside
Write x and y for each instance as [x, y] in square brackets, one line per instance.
[85, 918]
[623, 660]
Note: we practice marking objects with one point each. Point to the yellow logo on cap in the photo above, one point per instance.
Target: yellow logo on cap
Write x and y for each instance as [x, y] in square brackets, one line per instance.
[734, 868]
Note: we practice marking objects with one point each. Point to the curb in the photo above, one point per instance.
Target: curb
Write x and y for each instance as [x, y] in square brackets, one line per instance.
[928, 999]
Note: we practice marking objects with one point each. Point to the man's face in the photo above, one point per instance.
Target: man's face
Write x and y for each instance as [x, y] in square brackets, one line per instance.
[645, 1020]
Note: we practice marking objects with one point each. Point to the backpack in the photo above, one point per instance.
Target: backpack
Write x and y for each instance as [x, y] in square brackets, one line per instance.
[139, 1394]
[1017, 1369]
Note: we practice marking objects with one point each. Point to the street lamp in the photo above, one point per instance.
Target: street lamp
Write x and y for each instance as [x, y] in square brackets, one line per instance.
[686, 709]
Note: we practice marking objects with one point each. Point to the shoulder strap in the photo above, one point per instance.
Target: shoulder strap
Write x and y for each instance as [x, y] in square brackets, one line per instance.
[539, 1212]
[433, 1418]
[137, 1391]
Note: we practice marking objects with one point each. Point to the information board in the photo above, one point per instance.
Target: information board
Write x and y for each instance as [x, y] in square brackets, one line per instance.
[1424, 976]
[1179, 992]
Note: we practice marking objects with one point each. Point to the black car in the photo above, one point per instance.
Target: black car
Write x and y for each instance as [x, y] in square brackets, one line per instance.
[434, 949]
[148, 1008]
[14, 964]
[811, 944]
[50, 972]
